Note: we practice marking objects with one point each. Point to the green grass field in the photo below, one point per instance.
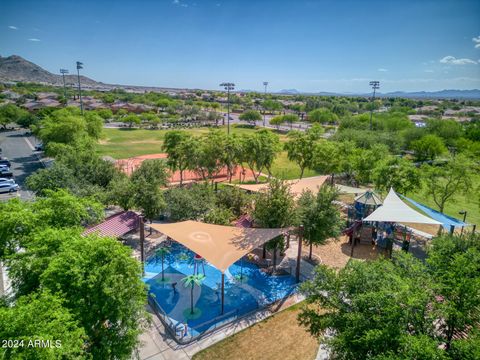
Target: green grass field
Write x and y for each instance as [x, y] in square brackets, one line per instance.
[124, 143]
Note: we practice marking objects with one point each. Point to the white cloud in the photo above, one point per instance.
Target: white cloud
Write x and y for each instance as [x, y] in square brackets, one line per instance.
[13, 27]
[476, 40]
[179, 3]
[382, 70]
[429, 71]
[454, 61]
[34, 39]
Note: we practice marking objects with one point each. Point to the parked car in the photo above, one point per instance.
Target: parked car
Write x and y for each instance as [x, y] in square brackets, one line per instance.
[7, 180]
[5, 161]
[5, 172]
[39, 147]
[4, 166]
[6, 187]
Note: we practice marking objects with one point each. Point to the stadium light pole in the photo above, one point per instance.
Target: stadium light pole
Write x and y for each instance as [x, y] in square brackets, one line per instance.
[79, 66]
[228, 86]
[375, 85]
[63, 72]
[265, 84]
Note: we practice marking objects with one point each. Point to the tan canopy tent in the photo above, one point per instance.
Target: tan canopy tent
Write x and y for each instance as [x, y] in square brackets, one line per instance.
[296, 186]
[220, 245]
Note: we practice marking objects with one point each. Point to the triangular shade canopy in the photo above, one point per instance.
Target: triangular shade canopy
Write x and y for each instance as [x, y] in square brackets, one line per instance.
[395, 210]
[296, 186]
[220, 245]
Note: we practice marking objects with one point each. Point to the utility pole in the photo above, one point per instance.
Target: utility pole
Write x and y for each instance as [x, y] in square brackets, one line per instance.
[228, 86]
[265, 84]
[375, 85]
[63, 72]
[79, 66]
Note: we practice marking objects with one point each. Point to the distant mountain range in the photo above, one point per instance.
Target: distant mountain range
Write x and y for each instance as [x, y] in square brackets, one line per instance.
[442, 94]
[16, 68]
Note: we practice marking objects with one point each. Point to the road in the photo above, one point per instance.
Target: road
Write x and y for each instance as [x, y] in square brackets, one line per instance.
[18, 148]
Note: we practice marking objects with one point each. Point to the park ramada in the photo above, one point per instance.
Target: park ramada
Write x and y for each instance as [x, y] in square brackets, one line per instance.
[129, 165]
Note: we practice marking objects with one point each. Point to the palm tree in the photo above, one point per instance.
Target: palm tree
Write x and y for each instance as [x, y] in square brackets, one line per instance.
[160, 253]
[192, 280]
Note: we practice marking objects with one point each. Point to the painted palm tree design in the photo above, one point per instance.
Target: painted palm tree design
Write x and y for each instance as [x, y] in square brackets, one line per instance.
[160, 253]
[192, 280]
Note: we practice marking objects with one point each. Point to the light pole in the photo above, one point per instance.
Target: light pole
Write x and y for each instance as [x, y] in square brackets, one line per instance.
[265, 84]
[63, 72]
[464, 213]
[375, 85]
[228, 86]
[79, 66]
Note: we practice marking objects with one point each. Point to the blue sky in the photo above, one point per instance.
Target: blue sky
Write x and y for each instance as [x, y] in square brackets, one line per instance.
[307, 45]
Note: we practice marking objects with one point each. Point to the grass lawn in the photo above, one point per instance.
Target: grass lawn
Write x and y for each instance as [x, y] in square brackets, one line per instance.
[278, 337]
[469, 202]
[121, 143]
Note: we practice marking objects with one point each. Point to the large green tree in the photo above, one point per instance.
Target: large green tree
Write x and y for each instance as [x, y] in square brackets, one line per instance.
[319, 215]
[275, 208]
[444, 181]
[397, 173]
[301, 147]
[260, 150]
[428, 147]
[179, 146]
[102, 287]
[251, 116]
[42, 316]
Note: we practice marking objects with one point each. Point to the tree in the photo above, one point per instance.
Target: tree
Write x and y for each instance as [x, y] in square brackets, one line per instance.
[219, 216]
[63, 126]
[327, 158]
[428, 147]
[232, 155]
[259, 150]
[443, 182]
[152, 171]
[400, 309]
[58, 176]
[94, 124]
[251, 116]
[322, 116]
[397, 173]
[191, 281]
[120, 192]
[290, 118]
[131, 119]
[102, 287]
[275, 208]
[272, 105]
[10, 113]
[301, 147]
[319, 216]
[42, 316]
[373, 307]
[365, 160]
[189, 203]
[277, 121]
[179, 146]
[455, 265]
[207, 159]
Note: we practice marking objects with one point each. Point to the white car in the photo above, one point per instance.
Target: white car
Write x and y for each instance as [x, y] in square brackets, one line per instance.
[6, 187]
[7, 180]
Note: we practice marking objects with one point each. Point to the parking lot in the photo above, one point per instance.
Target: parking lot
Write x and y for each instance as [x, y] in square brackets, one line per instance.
[19, 149]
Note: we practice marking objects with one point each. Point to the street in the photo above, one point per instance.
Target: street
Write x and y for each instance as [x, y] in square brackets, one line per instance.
[19, 150]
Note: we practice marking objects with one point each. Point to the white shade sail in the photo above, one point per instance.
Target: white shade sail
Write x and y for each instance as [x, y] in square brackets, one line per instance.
[395, 210]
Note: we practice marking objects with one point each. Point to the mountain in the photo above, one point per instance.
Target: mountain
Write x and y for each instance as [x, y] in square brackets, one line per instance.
[442, 94]
[289, 91]
[16, 68]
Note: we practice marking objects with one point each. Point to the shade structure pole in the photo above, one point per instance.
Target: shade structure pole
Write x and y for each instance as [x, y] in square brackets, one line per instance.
[299, 255]
[223, 291]
[142, 242]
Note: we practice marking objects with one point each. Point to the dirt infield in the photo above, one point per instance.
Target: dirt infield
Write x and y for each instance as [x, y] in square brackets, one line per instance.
[128, 166]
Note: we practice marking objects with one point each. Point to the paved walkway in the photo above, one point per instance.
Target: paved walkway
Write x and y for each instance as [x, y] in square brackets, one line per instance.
[156, 343]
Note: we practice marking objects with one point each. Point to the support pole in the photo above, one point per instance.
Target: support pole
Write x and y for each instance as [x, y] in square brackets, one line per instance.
[223, 291]
[299, 255]
[142, 242]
